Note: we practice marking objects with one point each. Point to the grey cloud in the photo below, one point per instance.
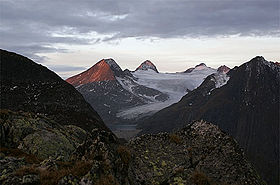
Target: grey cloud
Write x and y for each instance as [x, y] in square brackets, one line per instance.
[29, 27]
[66, 68]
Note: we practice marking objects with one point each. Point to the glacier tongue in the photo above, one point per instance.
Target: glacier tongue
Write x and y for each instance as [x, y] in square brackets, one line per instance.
[175, 85]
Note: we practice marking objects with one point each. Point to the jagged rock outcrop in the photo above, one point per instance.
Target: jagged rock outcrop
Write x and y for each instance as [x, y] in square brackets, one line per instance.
[35, 148]
[38, 135]
[247, 108]
[147, 65]
[197, 154]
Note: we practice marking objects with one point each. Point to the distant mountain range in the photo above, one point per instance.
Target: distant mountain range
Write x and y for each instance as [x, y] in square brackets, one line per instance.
[247, 108]
[125, 96]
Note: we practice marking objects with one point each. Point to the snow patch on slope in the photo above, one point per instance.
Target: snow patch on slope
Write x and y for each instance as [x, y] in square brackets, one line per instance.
[221, 79]
[127, 84]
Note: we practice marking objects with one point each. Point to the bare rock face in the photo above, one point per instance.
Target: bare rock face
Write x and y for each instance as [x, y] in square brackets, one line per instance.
[99, 72]
[147, 65]
[104, 70]
[198, 153]
[223, 69]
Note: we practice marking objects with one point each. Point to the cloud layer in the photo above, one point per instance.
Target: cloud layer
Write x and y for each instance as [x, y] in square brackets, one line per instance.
[32, 26]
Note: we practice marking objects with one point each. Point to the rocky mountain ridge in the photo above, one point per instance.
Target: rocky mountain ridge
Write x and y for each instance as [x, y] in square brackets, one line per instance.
[109, 89]
[130, 96]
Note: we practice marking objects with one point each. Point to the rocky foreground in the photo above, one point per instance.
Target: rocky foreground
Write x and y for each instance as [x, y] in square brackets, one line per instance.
[200, 153]
[37, 150]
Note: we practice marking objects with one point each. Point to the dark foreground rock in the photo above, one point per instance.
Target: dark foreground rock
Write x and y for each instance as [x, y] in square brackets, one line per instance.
[198, 154]
[37, 150]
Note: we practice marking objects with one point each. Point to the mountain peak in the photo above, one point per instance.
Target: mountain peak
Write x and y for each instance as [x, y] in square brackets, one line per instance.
[104, 70]
[259, 58]
[260, 62]
[147, 65]
[201, 65]
[223, 69]
[197, 67]
[113, 65]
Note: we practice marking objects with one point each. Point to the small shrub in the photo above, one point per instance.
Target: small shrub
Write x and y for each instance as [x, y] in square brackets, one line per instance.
[48, 177]
[25, 170]
[107, 180]
[124, 153]
[4, 113]
[78, 169]
[14, 152]
[175, 138]
[179, 170]
[200, 178]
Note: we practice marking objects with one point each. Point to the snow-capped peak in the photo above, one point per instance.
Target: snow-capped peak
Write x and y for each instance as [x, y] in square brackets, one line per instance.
[147, 65]
[198, 67]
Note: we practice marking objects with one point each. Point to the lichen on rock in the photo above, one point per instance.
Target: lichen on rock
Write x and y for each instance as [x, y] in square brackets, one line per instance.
[203, 148]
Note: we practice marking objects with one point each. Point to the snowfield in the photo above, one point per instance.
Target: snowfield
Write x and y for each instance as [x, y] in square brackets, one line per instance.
[175, 85]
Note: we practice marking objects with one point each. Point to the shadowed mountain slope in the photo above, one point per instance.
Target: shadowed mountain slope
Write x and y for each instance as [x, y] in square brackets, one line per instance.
[32, 87]
[247, 107]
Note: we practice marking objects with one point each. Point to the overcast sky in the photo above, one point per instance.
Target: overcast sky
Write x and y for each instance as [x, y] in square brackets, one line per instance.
[69, 36]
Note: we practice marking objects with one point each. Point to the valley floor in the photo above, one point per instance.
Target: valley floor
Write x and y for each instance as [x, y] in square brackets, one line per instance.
[126, 132]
